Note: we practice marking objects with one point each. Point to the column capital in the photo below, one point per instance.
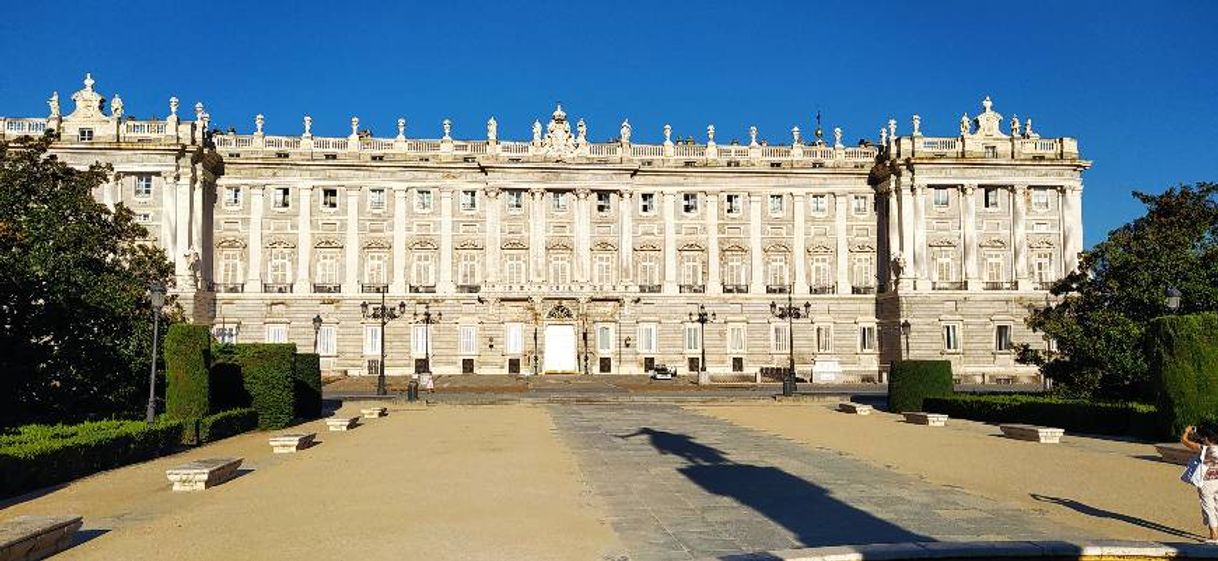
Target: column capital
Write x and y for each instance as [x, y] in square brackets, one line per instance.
[352, 189]
[1019, 188]
[968, 188]
[253, 187]
[916, 187]
[583, 192]
[492, 192]
[537, 192]
[625, 192]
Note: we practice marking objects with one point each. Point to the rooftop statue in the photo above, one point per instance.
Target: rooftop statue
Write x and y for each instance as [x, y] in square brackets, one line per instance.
[54, 103]
[625, 132]
[492, 129]
[116, 107]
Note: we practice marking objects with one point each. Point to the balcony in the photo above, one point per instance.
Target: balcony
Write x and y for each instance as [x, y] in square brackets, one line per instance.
[1045, 285]
[276, 287]
[422, 289]
[327, 288]
[692, 288]
[469, 288]
[230, 287]
[823, 289]
[947, 285]
[862, 290]
[777, 289]
[373, 288]
[735, 289]
[1000, 285]
[649, 288]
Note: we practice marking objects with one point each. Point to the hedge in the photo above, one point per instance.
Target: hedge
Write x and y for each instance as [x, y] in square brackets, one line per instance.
[1182, 353]
[912, 381]
[306, 389]
[226, 424]
[1089, 417]
[187, 357]
[39, 455]
[267, 373]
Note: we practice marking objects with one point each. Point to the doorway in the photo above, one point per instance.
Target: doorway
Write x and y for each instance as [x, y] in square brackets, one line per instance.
[561, 350]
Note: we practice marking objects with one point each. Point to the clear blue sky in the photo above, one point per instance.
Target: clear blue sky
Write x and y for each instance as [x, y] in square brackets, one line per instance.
[1137, 83]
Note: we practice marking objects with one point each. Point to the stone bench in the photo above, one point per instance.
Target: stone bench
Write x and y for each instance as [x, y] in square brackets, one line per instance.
[202, 474]
[854, 408]
[1176, 453]
[26, 538]
[374, 412]
[342, 423]
[290, 443]
[928, 419]
[1044, 435]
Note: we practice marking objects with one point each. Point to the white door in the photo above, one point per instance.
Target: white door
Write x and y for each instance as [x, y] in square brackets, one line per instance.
[560, 349]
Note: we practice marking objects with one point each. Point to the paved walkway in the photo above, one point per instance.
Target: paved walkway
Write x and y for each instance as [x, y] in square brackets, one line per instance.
[681, 485]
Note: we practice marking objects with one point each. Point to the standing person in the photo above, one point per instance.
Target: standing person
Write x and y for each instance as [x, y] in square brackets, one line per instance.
[429, 383]
[1204, 441]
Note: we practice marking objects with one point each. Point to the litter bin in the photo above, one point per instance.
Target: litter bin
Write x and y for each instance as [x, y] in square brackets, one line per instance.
[412, 391]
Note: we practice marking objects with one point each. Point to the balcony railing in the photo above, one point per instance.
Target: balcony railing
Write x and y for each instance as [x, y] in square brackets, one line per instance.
[469, 288]
[373, 288]
[1000, 285]
[947, 285]
[1045, 285]
[777, 289]
[326, 288]
[862, 290]
[823, 289]
[230, 287]
[276, 287]
[692, 288]
[735, 289]
[422, 289]
[649, 288]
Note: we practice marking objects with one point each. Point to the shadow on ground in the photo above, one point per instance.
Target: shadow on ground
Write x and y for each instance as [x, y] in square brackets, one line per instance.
[1089, 510]
[805, 509]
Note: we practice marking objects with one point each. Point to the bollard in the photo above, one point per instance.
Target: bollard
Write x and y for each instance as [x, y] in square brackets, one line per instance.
[412, 391]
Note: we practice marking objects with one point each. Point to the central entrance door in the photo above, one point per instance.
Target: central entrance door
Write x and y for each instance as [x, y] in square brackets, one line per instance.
[560, 350]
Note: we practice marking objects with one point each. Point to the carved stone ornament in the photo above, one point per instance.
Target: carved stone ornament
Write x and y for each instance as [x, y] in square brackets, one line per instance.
[735, 248]
[993, 242]
[647, 246]
[863, 247]
[604, 246]
[376, 243]
[943, 242]
[328, 243]
[989, 122]
[281, 243]
[560, 312]
[231, 243]
[1042, 243]
[558, 243]
[515, 244]
[469, 244]
[691, 246]
[820, 247]
[777, 248]
[558, 142]
[423, 244]
[88, 102]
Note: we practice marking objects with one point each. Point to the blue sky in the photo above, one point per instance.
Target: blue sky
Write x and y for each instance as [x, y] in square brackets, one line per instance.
[1135, 82]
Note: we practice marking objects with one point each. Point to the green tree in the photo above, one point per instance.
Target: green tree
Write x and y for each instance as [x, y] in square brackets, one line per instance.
[1100, 322]
[74, 314]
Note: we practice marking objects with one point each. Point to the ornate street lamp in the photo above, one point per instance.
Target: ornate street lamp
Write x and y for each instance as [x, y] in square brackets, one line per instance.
[428, 319]
[702, 318]
[156, 295]
[316, 330]
[1172, 298]
[905, 329]
[790, 312]
[385, 314]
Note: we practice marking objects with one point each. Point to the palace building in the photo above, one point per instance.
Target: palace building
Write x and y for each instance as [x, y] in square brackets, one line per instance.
[561, 255]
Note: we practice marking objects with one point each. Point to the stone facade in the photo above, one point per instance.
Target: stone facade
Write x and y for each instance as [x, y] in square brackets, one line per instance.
[561, 255]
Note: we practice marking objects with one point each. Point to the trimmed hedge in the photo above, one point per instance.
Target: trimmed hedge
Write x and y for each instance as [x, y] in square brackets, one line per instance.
[1182, 353]
[36, 456]
[267, 373]
[912, 381]
[306, 388]
[1125, 419]
[226, 424]
[187, 357]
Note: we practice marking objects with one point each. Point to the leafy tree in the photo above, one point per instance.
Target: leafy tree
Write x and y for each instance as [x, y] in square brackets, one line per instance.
[1100, 321]
[74, 314]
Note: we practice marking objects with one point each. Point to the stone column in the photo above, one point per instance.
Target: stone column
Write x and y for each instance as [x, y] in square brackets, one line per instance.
[445, 283]
[537, 235]
[714, 282]
[893, 224]
[670, 243]
[1019, 237]
[196, 218]
[583, 235]
[919, 235]
[756, 266]
[182, 210]
[253, 277]
[304, 241]
[168, 217]
[907, 236]
[799, 249]
[398, 282]
[351, 248]
[626, 235]
[968, 224]
[842, 236]
[1072, 227]
[493, 233]
[109, 189]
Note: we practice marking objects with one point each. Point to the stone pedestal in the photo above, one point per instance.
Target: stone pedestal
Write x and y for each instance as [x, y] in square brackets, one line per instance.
[342, 423]
[290, 443]
[25, 538]
[202, 474]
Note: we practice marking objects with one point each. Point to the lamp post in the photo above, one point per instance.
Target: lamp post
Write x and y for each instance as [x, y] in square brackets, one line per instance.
[156, 295]
[385, 314]
[702, 318]
[428, 319]
[790, 312]
[316, 330]
[905, 329]
[1172, 298]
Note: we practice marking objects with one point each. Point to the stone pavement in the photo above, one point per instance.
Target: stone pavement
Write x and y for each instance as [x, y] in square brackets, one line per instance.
[681, 485]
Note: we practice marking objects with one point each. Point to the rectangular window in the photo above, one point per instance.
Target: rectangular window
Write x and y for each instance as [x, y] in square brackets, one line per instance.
[649, 269]
[515, 200]
[276, 333]
[820, 204]
[994, 270]
[375, 268]
[824, 338]
[866, 338]
[376, 199]
[862, 271]
[230, 267]
[991, 198]
[560, 268]
[84, 135]
[776, 275]
[822, 272]
[467, 340]
[689, 203]
[776, 205]
[143, 186]
[329, 199]
[372, 340]
[945, 269]
[327, 340]
[602, 268]
[603, 202]
[779, 340]
[469, 200]
[467, 269]
[422, 200]
[143, 217]
[327, 268]
[647, 338]
[861, 204]
[424, 274]
[693, 343]
[280, 198]
[604, 339]
[559, 200]
[420, 341]
[1002, 338]
[647, 203]
[232, 196]
[991, 151]
[735, 339]
[941, 197]
[514, 336]
[1040, 199]
[515, 268]
[1042, 263]
[280, 269]
[691, 270]
[732, 204]
[951, 337]
[736, 271]
[226, 334]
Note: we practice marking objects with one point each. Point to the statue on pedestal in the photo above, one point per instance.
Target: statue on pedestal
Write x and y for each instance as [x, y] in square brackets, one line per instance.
[492, 130]
[625, 132]
[54, 103]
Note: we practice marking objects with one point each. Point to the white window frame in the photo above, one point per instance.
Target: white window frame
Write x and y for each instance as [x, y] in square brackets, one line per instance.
[649, 268]
[777, 269]
[467, 340]
[820, 204]
[376, 268]
[991, 192]
[376, 199]
[143, 186]
[867, 338]
[423, 269]
[649, 342]
[824, 338]
[281, 198]
[736, 269]
[560, 268]
[279, 266]
[515, 267]
[603, 268]
[604, 202]
[469, 200]
[995, 268]
[515, 200]
[689, 203]
[1040, 199]
[776, 203]
[691, 337]
[1006, 345]
[328, 268]
[231, 266]
[941, 198]
[423, 201]
[691, 269]
[513, 337]
[420, 341]
[737, 339]
[732, 205]
[861, 204]
[327, 340]
[779, 338]
[226, 333]
[467, 268]
[605, 343]
[559, 201]
[325, 192]
[1042, 266]
[372, 339]
[232, 196]
[276, 333]
[951, 337]
[647, 203]
[84, 134]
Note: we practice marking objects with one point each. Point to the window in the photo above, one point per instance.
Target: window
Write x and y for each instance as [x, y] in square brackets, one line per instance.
[230, 267]
[991, 151]
[280, 269]
[372, 339]
[994, 269]
[820, 204]
[226, 334]
[776, 205]
[689, 203]
[779, 340]
[732, 204]
[84, 135]
[604, 339]
[647, 203]
[276, 333]
[422, 200]
[649, 269]
[991, 198]
[822, 271]
[420, 341]
[1042, 263]
[736, 272]
[424, 273]
[515, 200]
[143, 186]
[693, 343]
[467, 340]
[602, 268]
[560, 268]
[327, 340]
[861, 204]
[143, 217]
[951, 337]
[515, 268]
[514, 337]
[1040, 199]
[232, 196]
[376, 199]
[1002, 338]
[374, 268]
[467, 268]
[327, 267]
[559, 201]
[862, 271]
[941, 197]
[280, 198]
[691, 269]
[824, 338]
[647, 338]
[945, 268]
[603, 202]
[469, 200]
[329, 199]
[866, 338]
[776, 271]
[735, 339]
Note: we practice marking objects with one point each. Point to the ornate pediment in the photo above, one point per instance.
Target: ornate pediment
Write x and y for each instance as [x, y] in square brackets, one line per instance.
[328, 243]
[559, 142]
[735, 248]
[863, 247]
[820, 247]
[231, 243]
[993, 242]
[423, 245]
[943, 242]
[989, 122]
[777, 248]
[691, 246]
[281, 243]
[515, 244]
[1042, 243]
[604, 246]
[647, 246]
[560, 312]
[469, 244]
[89, 103]
[376, 243]
[558, 243]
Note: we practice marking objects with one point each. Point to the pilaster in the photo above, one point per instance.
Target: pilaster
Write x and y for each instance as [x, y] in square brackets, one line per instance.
[253, 278]
[493, 235]
[351, 272]
[398, 283]
[921, 259]
[841, 237]
[445, 284]
[910, 256]
[756, 266]
[1019, 241]
[968, 225]
[583, 234]
[182, 211]
[714, 284]
[799, 248]
[626, 236]
[1072, 227]
[670, 243]
[304, 240]
[537, 235]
